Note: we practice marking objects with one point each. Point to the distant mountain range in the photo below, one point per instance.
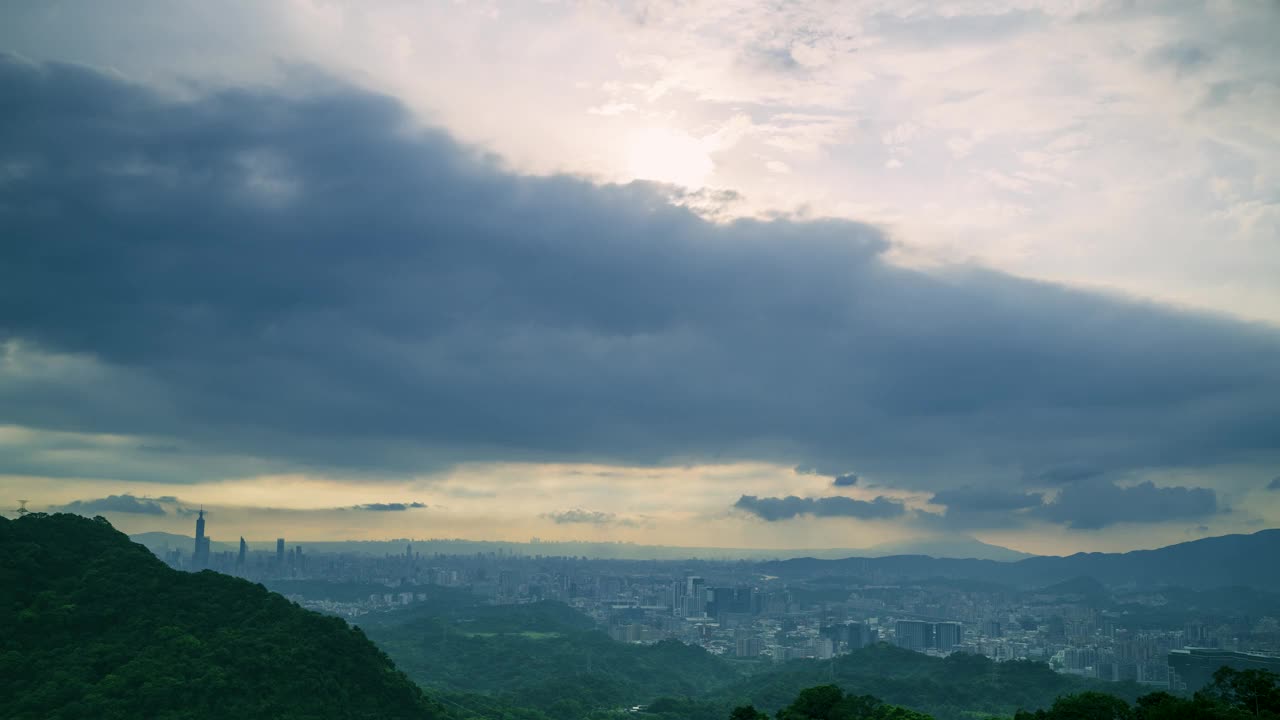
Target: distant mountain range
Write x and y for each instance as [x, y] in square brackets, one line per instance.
[161, 542]
[949, 546]
[953, 546]
[1241, 560]
[1229, 560]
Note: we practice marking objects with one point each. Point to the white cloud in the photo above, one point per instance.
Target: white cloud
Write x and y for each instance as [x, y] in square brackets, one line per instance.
[611, 109]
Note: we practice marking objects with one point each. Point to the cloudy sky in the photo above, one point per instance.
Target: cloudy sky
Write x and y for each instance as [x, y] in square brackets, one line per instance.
[821, 274]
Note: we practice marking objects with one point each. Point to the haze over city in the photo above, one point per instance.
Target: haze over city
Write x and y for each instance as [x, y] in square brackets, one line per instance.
[710, 274]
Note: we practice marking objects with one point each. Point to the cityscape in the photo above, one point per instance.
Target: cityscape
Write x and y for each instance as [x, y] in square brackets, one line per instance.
[640, 360]
[731, 608]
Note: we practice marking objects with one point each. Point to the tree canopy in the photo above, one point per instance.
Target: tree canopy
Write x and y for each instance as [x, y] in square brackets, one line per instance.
[95, 626]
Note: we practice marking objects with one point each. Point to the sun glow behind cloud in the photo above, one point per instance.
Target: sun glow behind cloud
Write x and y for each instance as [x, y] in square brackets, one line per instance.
[669, 156]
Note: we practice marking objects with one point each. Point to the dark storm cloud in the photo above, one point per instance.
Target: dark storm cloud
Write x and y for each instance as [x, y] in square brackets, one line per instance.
[772, 508]
[986, 499]
[1098, 504]
[846, 480]
[116, 504]
[971, 507]
[388, 507]
[1065, 474]
[310, 281]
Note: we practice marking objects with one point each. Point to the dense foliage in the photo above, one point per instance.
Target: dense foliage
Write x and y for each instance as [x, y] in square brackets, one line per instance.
[955, 687]
[1234, 695]
[544, 656]
[94, 626]
[829, 702]
[547, 657]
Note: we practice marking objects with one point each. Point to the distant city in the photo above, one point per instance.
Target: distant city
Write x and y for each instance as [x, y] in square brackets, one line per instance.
[733, 609]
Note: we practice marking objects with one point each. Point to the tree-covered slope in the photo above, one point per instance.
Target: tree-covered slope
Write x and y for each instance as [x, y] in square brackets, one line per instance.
[959, 686]
[543, 656]
[1234, 695]
[94, 626]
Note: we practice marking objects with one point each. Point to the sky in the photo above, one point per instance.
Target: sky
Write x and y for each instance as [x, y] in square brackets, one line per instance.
[730, 274]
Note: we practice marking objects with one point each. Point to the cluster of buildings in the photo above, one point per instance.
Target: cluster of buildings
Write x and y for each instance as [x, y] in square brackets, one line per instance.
[731, 609]
[259, 565]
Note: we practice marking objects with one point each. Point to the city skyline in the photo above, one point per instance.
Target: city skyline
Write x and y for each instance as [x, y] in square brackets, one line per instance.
[640, 359]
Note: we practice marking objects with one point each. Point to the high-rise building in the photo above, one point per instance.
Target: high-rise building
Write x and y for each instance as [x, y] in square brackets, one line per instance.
[920, 636]
[914, 635]
[695, 600]
[947, 635]
[678, 590]
[749, 647]
[850, 636]
[200, 557]
[724, 601]
[244, 553]
[280, 554]
[1190, 669]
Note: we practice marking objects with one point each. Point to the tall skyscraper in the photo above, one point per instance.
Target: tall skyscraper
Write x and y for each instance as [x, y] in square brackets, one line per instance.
[947, 635]
[200, 557]
[920, 636]
[244, 552]
[1190, 669]
[914, 635]
[678, 590]
[280, 554]
[695, 596]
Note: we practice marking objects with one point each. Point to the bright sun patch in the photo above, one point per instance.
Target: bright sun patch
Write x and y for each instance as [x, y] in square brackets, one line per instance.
[669, 156]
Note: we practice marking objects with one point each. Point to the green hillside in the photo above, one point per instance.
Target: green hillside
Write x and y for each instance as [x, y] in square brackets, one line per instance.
[547, 657]
[94, 626]
[951, 688]
[543, 656]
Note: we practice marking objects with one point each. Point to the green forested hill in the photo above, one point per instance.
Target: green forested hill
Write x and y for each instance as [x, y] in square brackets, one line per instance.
[94, 626]
[543, 656]
[1234, 695]
[951, 688]
[547, 657]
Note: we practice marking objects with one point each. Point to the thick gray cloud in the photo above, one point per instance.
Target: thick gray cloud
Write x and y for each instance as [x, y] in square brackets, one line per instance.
[309, 280]
[986, 499]
[1093, 505]
[971, 507]
[772, 508]
[389, 507]
[846, 480]
[116, 504]
[1274, 484]
[1065, 474]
